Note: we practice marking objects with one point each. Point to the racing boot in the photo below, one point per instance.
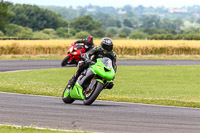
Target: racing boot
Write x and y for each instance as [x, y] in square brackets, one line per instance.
[72, 81]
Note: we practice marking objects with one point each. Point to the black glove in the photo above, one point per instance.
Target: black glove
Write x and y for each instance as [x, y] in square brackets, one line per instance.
[110, 85]
[88, 61]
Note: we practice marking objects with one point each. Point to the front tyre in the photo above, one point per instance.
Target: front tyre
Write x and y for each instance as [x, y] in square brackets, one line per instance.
[91, 96]
[65, 61]
[66, 96]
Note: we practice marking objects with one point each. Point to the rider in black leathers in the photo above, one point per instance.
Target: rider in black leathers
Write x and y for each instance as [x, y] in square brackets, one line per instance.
[105, 50]
[88, 43]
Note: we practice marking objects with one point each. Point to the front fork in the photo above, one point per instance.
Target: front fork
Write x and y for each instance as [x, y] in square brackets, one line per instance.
[70, 59]
[94, 82]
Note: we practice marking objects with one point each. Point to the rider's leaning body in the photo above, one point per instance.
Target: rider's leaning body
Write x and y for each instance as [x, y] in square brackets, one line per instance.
[87, 43]
[99, 52]
[105, 50]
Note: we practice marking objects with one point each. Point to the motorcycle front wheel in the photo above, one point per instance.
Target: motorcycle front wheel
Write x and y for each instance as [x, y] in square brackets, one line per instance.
[91, 96]
[65, 61]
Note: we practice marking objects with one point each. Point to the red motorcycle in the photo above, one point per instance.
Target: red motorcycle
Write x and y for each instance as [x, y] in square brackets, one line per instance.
[74, 54]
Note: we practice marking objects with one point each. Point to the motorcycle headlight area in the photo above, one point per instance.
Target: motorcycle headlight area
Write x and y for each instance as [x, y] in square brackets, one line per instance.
[71, 49]
[86, 47]
[75, 53]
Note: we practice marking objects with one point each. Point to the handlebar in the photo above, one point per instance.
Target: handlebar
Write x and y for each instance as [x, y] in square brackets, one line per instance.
[86, 59]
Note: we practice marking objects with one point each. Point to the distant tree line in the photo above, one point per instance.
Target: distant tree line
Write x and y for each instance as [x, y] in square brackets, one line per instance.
[35, 17]
[140, 21]
[4, 15]
[30, 21]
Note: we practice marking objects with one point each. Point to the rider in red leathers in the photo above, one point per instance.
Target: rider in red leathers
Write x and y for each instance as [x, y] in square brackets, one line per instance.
[88, 43]
[75, 49]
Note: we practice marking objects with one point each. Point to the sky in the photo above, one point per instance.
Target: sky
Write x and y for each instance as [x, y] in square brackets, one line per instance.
[114, 3]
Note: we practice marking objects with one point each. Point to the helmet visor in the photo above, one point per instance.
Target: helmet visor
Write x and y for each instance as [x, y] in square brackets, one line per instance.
[108, 47]
[89, 39]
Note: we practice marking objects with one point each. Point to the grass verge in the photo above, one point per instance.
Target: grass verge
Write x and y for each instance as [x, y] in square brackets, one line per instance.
[161, 85]
[14, 129]
[120, 57]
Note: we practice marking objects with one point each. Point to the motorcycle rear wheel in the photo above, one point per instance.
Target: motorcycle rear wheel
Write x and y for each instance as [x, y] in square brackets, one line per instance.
[65, 61]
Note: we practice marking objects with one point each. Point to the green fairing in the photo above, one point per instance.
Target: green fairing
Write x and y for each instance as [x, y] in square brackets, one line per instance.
[66, 93]
[77, 92]
[99, 69]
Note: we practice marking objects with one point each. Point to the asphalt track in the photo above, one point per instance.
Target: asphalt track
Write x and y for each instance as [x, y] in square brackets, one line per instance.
[12, 65]
[101, 116]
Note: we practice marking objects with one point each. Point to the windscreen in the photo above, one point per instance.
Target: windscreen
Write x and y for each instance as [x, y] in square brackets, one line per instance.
[107, 62]
[79, 46]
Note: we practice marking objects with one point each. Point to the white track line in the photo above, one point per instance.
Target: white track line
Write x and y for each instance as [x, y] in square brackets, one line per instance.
[40, 128]
[15, 71]
[10, 93]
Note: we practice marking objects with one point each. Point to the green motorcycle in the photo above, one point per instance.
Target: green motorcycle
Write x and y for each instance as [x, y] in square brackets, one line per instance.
[91, 82]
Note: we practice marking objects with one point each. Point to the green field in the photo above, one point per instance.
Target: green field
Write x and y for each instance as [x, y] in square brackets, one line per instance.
[12, 129]
[162, 85]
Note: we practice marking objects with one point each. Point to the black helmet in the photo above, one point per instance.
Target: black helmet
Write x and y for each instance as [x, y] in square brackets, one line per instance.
[107, 44]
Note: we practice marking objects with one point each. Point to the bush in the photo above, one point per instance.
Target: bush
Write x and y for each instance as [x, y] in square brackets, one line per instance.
[1, 34]
[41, 35]
[174, 37]
[62, 31]
[194, 37]
[13, 29]
[125, 30]
[138, 35]
[108, 34]
[82, 34]
[68, 35]
[112, 30]
[181, 37]
[169, 37]
[98, 33]
[123, 35]
[25, 33]
[72, 31]
[50, 32]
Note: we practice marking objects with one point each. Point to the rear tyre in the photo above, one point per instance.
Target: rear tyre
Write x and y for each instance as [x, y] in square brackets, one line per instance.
[91, 97]
[65, 61]
[66, 96]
